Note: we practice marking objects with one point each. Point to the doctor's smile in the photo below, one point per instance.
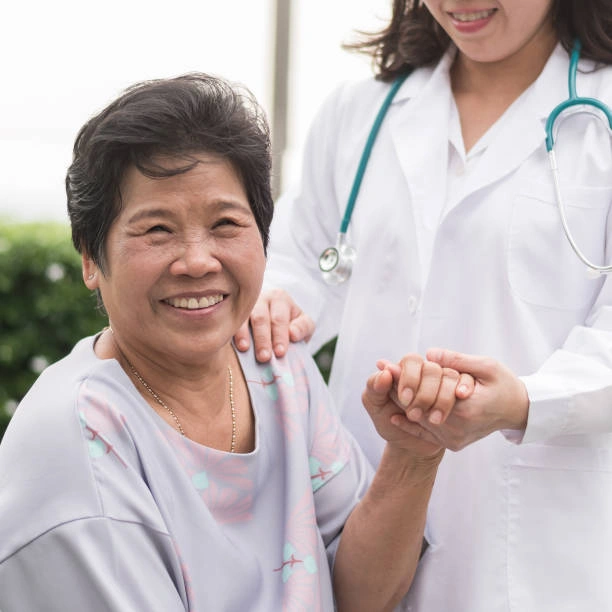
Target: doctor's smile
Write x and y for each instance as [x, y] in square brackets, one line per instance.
[467, 16]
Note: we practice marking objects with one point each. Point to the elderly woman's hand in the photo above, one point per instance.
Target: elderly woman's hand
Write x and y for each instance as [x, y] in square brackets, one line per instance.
[275, 321]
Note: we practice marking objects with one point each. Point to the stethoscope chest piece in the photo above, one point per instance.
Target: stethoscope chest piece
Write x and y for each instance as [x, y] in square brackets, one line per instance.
[336, 262]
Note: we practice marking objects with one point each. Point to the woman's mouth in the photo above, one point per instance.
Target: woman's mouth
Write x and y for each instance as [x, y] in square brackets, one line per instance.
[194, 303]
[470, 22]
[465, 17]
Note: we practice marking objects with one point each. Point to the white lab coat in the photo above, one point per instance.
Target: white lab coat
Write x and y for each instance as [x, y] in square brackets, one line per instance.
[521, 525]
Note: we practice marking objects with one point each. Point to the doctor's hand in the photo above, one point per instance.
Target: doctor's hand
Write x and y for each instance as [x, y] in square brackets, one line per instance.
[421, 391]
[499, 401]
[275, 321]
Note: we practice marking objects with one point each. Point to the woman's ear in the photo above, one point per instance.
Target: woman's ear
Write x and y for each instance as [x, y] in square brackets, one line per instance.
[90, 272]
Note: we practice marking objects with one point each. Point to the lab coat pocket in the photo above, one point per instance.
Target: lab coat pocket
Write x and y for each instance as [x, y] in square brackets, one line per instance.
[543, 270]
[559, 529]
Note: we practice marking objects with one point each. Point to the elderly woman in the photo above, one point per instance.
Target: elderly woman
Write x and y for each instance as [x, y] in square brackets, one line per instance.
[156, 469]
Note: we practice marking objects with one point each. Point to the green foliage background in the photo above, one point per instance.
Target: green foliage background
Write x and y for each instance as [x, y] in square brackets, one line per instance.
[44, 305]
[45, 308]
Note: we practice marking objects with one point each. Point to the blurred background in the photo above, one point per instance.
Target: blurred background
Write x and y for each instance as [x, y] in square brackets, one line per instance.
[63, 61]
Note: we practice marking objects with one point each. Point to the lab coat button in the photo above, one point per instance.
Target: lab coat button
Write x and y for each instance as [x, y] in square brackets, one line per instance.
[412, 304]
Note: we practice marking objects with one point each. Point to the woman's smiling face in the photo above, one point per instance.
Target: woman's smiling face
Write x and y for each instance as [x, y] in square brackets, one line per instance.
[493, 30]
[184, 261]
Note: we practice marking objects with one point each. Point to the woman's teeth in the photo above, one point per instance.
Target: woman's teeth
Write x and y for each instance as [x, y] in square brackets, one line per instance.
[466, 17]
[195, 303]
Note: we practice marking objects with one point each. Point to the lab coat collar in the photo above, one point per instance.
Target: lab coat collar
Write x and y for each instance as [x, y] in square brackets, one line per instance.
[416, 85]
[419, 114]
[551, 88]
[425, 99]
[520, 131]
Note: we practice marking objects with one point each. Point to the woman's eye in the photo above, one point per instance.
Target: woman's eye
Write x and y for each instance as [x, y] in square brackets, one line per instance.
[225, 221]
[157, 228]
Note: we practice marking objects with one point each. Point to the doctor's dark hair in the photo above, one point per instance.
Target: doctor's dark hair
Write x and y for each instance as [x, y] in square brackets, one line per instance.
[177, 118]
[413, 38]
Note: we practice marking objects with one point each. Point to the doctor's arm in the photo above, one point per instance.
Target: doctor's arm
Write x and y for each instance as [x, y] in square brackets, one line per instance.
[499, 401]
[570, 394]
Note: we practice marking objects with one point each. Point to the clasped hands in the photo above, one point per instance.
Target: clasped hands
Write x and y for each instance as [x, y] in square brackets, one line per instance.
[447, 399]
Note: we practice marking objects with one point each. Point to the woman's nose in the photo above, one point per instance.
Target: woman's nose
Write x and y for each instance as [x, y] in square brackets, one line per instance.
[196, 258]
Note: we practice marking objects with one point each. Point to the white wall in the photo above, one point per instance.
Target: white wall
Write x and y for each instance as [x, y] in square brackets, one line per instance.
[66, 59]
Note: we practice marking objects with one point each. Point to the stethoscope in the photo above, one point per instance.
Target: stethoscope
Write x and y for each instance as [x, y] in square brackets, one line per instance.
[336, 262]
[573, 100]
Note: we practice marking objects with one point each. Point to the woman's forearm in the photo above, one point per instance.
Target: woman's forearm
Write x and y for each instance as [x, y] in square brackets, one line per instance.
[381, 541]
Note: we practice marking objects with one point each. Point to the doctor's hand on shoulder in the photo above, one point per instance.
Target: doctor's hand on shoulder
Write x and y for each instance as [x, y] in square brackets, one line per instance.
[498, 401]
[276, 320]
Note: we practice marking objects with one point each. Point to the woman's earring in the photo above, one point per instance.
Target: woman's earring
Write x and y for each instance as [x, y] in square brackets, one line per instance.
[90, 276]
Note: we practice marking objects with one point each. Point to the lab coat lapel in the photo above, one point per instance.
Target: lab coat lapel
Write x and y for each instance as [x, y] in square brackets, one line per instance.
[423, 106]
[522, 131]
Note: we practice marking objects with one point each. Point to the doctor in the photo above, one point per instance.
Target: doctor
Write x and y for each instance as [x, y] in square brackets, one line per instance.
[459, 245]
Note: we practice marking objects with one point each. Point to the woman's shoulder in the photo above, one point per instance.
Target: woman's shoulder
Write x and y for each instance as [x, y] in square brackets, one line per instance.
[42, 457]
[57, 386]
[297, 359]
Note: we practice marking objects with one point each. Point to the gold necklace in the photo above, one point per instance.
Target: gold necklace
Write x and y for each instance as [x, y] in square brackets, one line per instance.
[161, 402]
[171, 412]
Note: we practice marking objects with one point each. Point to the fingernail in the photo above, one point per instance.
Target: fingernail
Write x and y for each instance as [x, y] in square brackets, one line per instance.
[406, 397]
[243, 345]
[435, 417]
[263, 355]
[279, 349]
[463, 389]
[414, 414]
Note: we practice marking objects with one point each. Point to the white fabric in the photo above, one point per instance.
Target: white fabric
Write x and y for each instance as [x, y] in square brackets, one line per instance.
[477, 263]
[104, 506]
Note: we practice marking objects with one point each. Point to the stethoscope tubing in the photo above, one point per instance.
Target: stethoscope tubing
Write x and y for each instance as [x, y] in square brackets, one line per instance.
[555, 173]
[367, 150]
[573, 100]
[336, 262]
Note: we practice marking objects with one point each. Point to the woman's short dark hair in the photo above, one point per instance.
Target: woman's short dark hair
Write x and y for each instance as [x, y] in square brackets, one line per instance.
[177, 117]
[413, 38]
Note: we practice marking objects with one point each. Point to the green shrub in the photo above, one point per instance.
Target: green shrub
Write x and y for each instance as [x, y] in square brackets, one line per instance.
[44, 305]
[325, 356]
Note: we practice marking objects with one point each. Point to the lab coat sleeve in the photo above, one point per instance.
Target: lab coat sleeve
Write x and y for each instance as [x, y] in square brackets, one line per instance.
[95, 564]
[571, 393]
[306, 221]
